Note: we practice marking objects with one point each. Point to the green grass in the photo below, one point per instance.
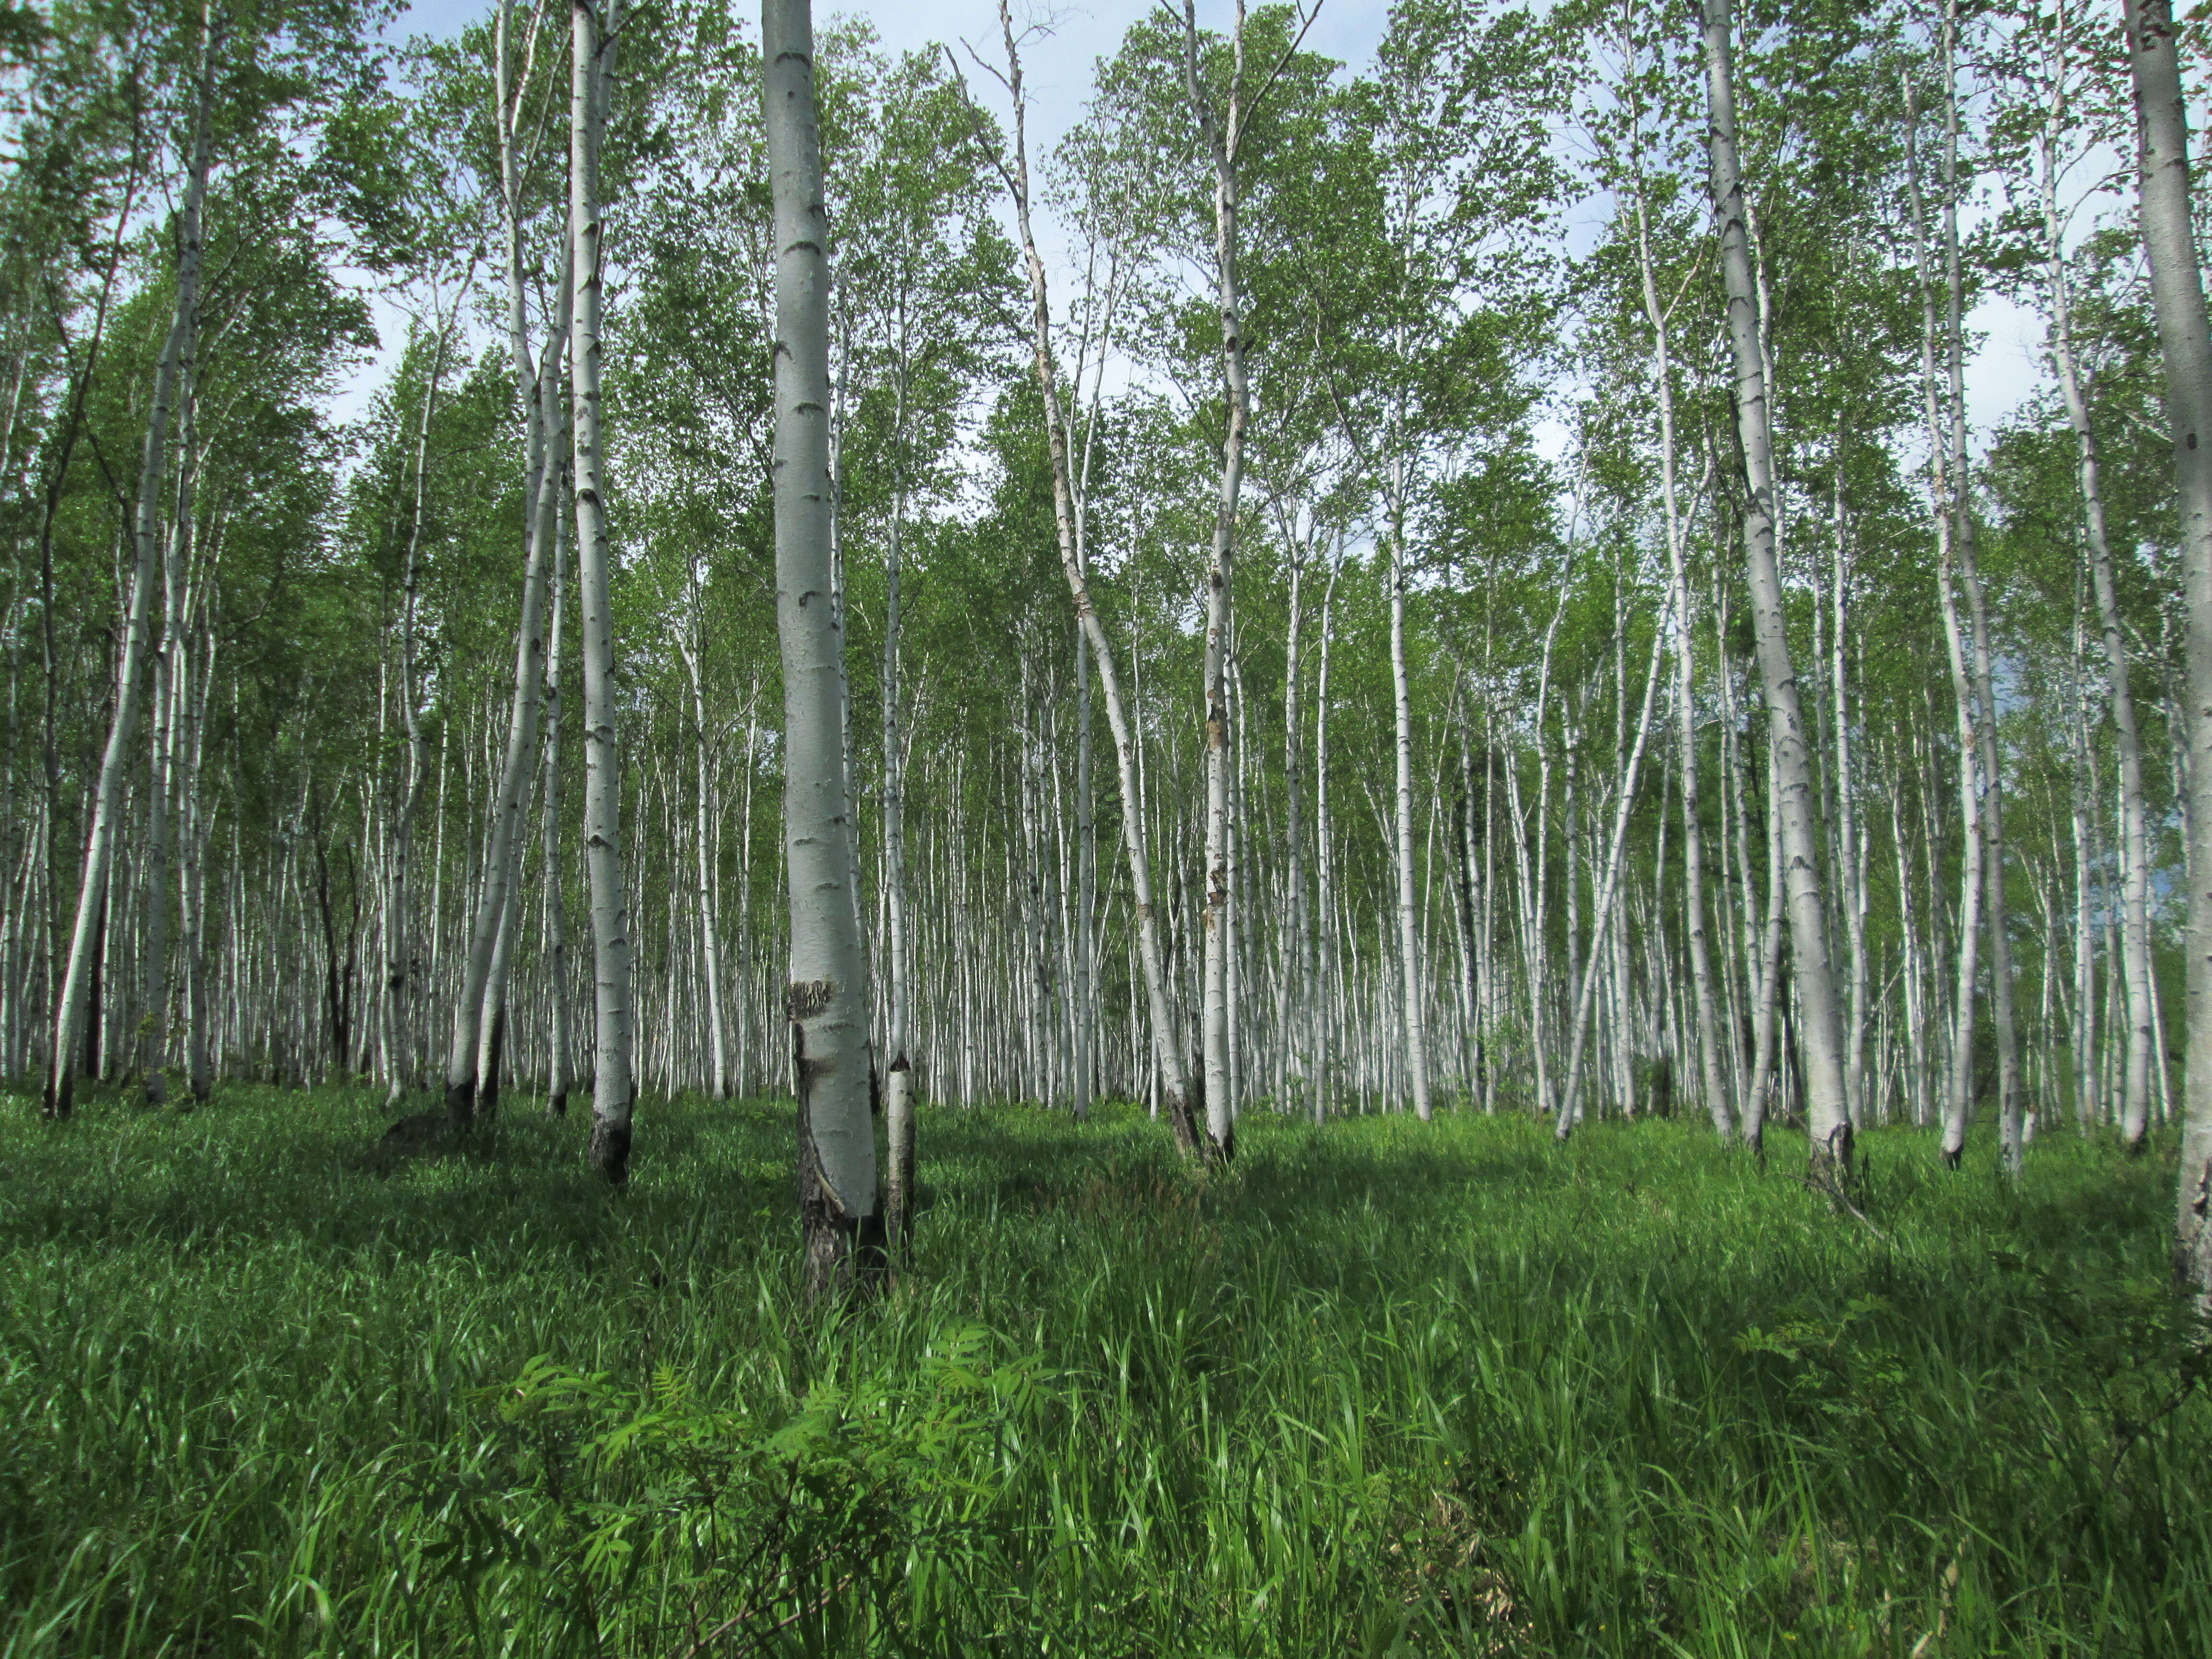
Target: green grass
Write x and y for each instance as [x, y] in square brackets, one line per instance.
[1384, 1387]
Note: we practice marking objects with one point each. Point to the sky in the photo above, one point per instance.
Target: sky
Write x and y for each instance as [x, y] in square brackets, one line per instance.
[1057, 60]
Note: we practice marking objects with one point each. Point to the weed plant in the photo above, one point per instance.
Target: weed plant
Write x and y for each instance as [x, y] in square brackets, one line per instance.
[1383, 1388]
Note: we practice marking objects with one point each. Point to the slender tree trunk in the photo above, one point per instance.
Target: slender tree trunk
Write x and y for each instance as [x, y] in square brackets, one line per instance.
[559, 1044]
[1295, 996]
[1603, 905]
[1759, 1087]
[827, 993]
[1086, 878]
[1685, 712]
[612, 1086]
[2134, 858]
[1945, 499]
[1328, 978]
[1167, 1043]
[168, 688]
[703, 898]
[2009, 1105]
[898, 1079]
[1409, 933]
[537, 389]
[1222, 138]
[2185, 342]
[1828, 1120]
[177, 361]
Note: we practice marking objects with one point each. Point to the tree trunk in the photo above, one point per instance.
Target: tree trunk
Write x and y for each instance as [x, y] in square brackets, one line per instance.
[558, 1040]
[2134, 858]
[1828, 1120]
[2185, 342]
[612, 1086]
[1409, 933]
[1086, 881]
[177, 364]
[1685, 712]
[827, 993]
[898, 1077]
[2009, 1108]
[1221, 139]
[1167, 1043]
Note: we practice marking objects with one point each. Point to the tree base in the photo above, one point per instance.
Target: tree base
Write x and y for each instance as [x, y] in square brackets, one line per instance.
[610, 1151]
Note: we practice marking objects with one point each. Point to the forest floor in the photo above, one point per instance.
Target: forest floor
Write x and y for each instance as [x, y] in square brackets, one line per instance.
[1380, 1389]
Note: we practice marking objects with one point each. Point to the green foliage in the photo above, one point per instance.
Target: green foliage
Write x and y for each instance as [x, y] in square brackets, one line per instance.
[1383, 1389]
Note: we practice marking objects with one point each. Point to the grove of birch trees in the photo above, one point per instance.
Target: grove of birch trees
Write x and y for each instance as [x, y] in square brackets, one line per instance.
[657, 550]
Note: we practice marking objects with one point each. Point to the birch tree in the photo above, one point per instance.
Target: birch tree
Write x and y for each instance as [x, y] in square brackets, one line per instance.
[2184, 335]
[1827, 1118]
[1166, 1038]
[592, 43]
[175, 368]
[827, 994]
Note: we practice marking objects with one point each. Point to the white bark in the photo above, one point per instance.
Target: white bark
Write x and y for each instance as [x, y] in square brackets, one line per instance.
[1685, 712]
[612, 1089]
[1409, 931]
[1827, 1118]
[176, 365]
[558, 1040]
[827, 994]
[1167, 1043]
[1221, 137]
[2185, 342]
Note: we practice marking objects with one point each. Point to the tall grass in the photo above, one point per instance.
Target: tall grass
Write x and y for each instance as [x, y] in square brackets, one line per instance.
[1383, 1388]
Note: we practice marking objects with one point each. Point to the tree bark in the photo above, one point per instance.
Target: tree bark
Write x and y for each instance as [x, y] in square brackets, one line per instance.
[558, 1040]
[2009, 1104]
[2185, 342]
[2134, 857]
[827, 994]
[1167, 1043]
[612, 1086]
[178, 360]
[1827, 1118]
[1221, 137]
[1415, 1030]
[1685, 712]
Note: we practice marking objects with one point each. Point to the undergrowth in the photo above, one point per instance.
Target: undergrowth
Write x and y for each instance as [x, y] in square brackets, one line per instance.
[1380, 1389]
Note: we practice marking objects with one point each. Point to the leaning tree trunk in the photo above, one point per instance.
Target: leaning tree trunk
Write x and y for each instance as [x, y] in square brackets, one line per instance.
[538, 390]
[827, 996]
[1828, 1118]
[1167, 1043]
[177, 362]
[2134, 859]
[591, 82]
[2185, 342]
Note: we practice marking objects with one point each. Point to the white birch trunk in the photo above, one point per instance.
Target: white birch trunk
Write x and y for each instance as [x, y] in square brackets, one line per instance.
[2185, 342]
[1167, 1043]
[827, 994]
[1409, 933]
[176, 365]
[1686, 713]
[1222, 139]
[1828, 1118]
[612, 1088]
[559, 1044]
